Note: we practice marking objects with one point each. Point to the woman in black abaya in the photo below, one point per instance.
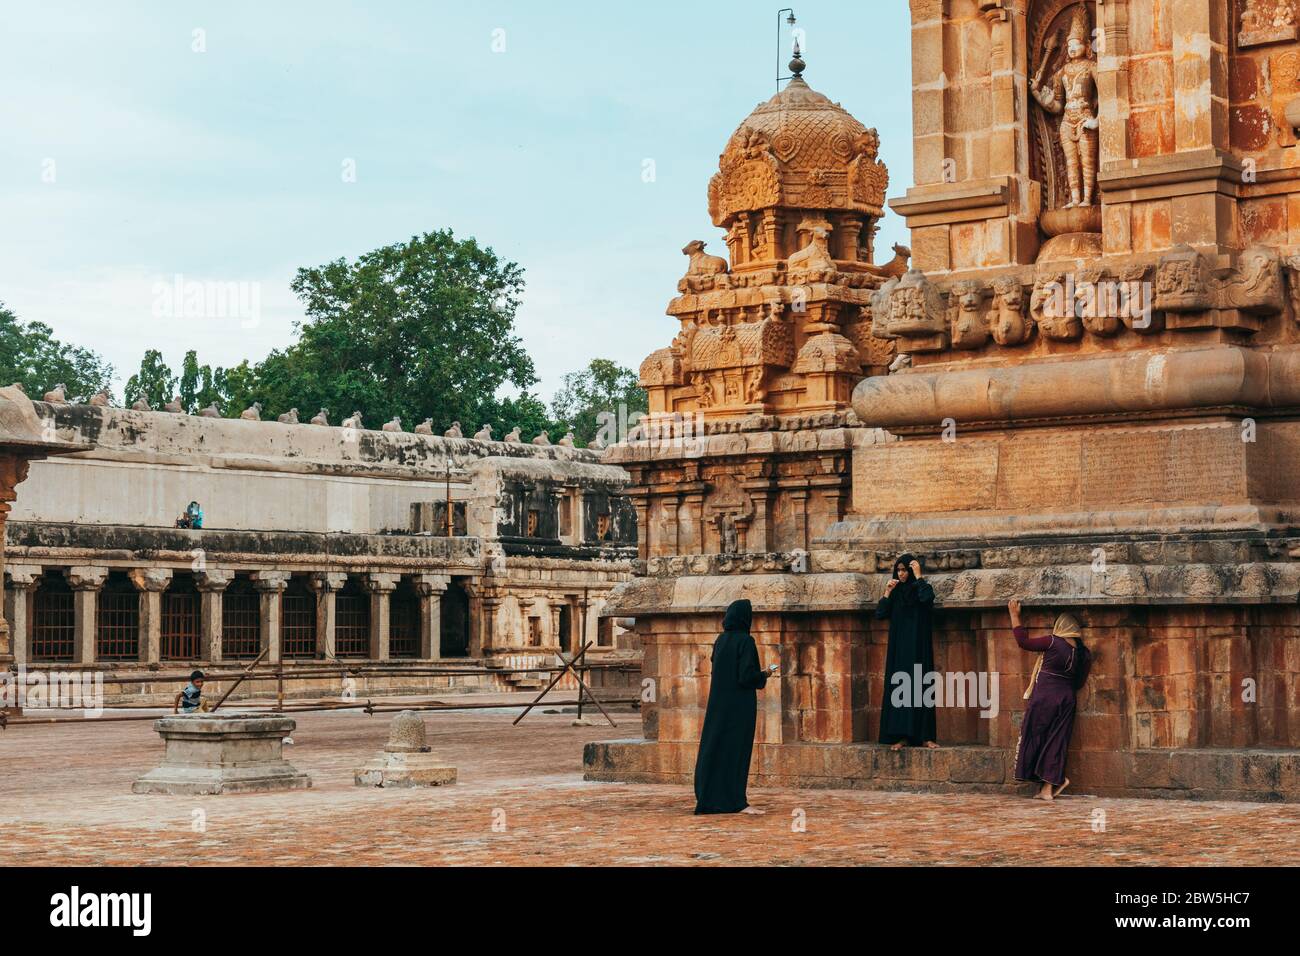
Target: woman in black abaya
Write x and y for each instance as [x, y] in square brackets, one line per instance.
[727, 740]
[907, 605]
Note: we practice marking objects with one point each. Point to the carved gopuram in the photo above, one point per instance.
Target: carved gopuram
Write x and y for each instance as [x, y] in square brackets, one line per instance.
[1095, 407]
[319, 543]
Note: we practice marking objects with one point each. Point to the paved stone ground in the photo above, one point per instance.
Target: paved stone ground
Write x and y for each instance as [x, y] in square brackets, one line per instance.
[65, 799]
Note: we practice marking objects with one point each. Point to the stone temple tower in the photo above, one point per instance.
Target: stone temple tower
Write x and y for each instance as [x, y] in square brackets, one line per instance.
[778, 328]
[1099, 409]
[746, 457]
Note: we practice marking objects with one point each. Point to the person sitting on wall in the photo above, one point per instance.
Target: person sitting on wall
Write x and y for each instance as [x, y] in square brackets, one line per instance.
[1060, 671]
[908, 606]
[193, 517]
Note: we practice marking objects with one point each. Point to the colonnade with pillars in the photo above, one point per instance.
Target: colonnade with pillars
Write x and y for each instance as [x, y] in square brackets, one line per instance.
[90, 614]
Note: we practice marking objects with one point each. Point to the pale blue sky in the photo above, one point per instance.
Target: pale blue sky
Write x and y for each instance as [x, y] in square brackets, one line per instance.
[227, 165]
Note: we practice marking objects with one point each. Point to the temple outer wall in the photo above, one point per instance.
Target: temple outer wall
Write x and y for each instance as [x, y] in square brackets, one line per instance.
[1163, 714]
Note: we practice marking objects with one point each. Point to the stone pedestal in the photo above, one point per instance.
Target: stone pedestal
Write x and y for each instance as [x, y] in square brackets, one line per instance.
[223, 753]
[405, 760]
[405, 770]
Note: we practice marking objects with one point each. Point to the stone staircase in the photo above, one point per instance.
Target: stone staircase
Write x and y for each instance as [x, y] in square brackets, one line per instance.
[517, 677]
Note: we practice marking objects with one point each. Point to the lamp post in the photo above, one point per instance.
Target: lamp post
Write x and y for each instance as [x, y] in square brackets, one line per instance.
[449, 520]
[791, 21]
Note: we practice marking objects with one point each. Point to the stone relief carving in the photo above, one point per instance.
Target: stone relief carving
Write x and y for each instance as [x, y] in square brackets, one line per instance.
[970, 329]
[1257, 284]
[814, 263]
[1095, 303]
[1010, 325]
[703, 270]
[1186, 283]
[1071, 94]
[868, 176]
[915, 307]
[1182, 281]
[1052, 308]
[1266, 21]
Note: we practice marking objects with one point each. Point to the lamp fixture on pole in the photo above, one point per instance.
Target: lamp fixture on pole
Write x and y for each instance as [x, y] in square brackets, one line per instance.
[791, 21]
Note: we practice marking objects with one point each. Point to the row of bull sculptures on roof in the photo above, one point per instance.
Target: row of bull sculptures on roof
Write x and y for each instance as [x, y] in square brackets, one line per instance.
[102, 399]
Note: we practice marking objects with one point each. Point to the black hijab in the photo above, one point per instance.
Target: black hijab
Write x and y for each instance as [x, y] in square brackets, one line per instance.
[906, 590]
[738, 617]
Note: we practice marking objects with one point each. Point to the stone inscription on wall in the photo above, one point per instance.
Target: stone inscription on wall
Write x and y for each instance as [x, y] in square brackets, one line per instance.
[1190, 464]
[1051, 470]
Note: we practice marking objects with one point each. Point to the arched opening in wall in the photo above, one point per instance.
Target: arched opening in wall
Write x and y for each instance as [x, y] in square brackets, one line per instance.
[180, 629]
[352, 621]
[241, 620]
[54, 623]
[297, 620]
[566, 629]
[404, 622]
[454, 630]
[117, 627]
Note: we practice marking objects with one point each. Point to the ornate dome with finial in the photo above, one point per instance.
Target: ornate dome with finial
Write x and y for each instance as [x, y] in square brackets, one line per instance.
[799, 150]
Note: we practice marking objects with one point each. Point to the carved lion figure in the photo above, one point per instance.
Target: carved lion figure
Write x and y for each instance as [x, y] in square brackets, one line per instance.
[1009, 325]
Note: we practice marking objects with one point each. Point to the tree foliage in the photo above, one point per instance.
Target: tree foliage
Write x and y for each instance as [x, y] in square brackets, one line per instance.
[31, 356]
[154, 382]
[420, 329]
[603, 387]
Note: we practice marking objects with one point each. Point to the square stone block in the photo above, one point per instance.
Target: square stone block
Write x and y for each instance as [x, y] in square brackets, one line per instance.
[210, 754]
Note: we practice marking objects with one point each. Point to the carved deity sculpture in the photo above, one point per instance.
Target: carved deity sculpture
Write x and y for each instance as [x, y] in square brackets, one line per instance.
[1072, 94]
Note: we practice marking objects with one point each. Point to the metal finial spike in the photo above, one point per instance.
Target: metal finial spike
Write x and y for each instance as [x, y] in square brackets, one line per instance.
[797, 65]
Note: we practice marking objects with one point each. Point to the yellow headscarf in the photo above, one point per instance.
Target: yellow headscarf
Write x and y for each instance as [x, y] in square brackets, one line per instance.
[1067, 625]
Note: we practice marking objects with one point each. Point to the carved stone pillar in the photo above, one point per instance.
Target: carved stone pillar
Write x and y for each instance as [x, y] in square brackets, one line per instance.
[1200, 35]
[24, 580]
[212, 584]
[642, 505]
[671, 505]
[486, 636]
[556, 637]
[799, 508]
[269, 586]
[759, 534]
[381, 588]
[430, 588]
[85, 583]
[13, 469]
[151, 583]
[691, 534]
[326, 584]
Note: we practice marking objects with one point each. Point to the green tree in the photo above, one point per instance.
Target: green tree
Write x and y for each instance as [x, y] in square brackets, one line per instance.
[603, 387]
[527, 412]
[237, 388]
[417, 329]
[31, 356]
[155, 381]
[191, 380]
[202, 385]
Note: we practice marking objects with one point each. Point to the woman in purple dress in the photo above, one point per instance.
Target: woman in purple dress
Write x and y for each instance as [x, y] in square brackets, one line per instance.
[1061, 669]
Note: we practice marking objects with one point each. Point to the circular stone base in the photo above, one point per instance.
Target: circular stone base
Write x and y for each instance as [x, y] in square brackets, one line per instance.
[389, 769]
[1071, 247]
[1063, 222]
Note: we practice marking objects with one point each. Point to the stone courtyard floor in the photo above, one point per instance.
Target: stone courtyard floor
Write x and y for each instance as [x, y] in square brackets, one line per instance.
[65, 798]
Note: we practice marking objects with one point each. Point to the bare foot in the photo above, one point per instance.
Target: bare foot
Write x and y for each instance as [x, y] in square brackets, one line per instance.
[1045, 793]
[753, 811]
[898, 746]
[932, 745]
[1057, 791]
